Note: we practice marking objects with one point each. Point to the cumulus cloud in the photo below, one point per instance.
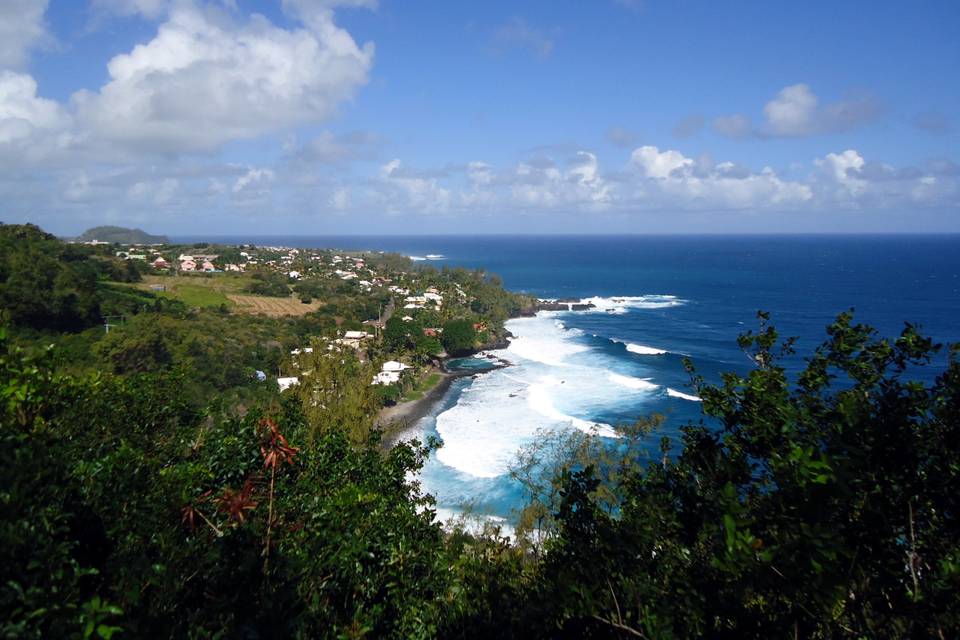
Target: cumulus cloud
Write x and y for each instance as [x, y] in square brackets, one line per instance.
[517, 34]
[653, 163]
[403, 191]
[22, 112]
[670, 175]
[22, 29]
[796, 111]
[205, 80]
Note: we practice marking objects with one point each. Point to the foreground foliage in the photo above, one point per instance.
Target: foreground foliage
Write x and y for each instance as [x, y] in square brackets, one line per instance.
[820, 507]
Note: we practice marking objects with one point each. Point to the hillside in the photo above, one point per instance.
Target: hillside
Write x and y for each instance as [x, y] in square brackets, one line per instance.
[121, 235]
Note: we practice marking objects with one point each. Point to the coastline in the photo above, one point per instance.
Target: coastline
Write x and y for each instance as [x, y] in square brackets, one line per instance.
[396, 419]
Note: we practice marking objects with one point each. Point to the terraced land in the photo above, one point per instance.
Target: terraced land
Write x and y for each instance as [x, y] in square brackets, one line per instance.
[228, 289]
[272, 306]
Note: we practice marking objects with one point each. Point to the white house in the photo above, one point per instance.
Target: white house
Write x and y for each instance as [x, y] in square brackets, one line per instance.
[393, 365]
[286, 383]
[387, 377]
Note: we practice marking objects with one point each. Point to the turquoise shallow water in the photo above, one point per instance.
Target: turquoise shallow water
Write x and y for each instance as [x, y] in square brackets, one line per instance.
[659, 299]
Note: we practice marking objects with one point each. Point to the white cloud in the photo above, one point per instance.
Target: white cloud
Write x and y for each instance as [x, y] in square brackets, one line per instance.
[21, 29]
[793, 112]
[23, 112]
[676, 181]
[401, 191]
[654, 164]
[796, 111]
[254, 180]
[205, 80]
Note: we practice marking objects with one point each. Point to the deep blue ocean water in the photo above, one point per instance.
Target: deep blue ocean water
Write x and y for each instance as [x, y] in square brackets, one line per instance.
[679, 295]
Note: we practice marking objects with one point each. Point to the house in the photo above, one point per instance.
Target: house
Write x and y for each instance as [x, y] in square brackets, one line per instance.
[160, 263]
[188, 265]
[390, 372]
[233, 267]
[208, 266]
[353, 338]
[294, 274]
[387, 377]
[479, 326]
[431, 332]
[286, 383]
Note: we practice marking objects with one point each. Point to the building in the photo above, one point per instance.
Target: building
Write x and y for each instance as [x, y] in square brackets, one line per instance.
[390, 372]
[286, 383]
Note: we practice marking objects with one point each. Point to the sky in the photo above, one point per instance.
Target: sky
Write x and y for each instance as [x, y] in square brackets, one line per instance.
[316, 117]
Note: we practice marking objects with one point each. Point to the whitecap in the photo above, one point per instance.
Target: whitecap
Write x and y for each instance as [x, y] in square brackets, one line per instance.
[417, 258]
[622, 304]
[539, 400]
[642, 350]
[673, 393]
[640, 384]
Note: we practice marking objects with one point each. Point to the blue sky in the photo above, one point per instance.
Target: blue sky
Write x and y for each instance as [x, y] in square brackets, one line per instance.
[357, 116]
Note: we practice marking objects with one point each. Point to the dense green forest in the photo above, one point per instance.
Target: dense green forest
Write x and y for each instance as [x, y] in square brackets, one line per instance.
[152, 487]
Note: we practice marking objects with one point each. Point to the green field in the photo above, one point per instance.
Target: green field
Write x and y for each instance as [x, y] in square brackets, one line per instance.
[197, 296]
[423, 385]
[197, 291]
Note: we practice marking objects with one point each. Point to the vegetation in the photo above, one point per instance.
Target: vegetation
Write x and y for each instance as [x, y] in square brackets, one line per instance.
[421, 387]
[151, 486]
[459, 337]
[120, 235]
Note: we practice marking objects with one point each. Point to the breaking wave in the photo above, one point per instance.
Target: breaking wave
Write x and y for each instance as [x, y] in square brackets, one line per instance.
[673, 393]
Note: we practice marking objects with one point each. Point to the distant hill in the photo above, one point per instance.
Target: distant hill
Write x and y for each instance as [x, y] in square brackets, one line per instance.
[121, 235]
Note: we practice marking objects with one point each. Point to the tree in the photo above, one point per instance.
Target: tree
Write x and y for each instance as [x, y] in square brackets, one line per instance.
[458, 337]
[823, 506]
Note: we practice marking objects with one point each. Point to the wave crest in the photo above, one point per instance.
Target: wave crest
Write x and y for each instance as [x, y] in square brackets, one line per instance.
[673, 393]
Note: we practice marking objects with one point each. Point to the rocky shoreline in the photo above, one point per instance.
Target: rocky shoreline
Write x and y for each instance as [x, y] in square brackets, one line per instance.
[562, 304]
[395, 420]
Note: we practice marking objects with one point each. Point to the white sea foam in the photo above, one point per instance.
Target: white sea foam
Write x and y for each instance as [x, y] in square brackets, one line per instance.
[540, 400]
[417, 258]
[622, 304]
[640, 384]
[550, 386]
[642, 350]
[435, 256]
[673, 393]
[544, 348]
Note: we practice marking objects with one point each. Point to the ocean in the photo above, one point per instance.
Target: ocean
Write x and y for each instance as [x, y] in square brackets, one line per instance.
[658, 299]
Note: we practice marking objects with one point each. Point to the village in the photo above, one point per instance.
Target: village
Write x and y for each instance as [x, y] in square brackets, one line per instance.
[401, 346]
